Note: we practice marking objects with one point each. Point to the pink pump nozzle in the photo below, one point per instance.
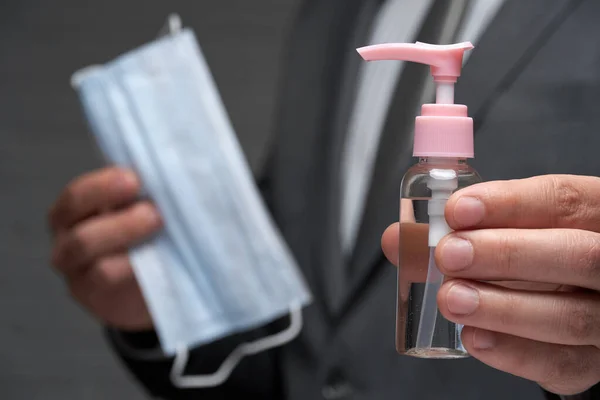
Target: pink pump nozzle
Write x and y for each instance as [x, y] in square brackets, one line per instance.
[445, 61]
[444, 129]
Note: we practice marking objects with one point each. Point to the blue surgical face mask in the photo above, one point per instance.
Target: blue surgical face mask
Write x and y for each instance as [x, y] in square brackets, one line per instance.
[220, 266]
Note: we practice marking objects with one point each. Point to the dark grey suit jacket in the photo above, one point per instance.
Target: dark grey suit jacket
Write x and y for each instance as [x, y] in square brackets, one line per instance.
[532, 86]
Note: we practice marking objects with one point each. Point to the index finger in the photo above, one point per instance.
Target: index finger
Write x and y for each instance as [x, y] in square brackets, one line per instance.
[91, 193]
[550, 201]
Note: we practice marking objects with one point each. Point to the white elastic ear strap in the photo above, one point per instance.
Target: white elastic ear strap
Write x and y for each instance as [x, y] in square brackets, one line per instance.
[172, 26]
[244, 349]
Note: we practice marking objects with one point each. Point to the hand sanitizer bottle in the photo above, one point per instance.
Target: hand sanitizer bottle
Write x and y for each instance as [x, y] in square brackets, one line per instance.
[443, 142]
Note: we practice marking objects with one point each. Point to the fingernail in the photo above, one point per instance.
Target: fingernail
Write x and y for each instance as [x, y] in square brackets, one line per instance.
[483, 340]
[456, 254]
[127, 180]
[468, 211]
[462, 299]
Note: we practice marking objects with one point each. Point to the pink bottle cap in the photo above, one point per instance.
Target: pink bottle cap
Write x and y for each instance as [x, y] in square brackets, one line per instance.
[444, 129]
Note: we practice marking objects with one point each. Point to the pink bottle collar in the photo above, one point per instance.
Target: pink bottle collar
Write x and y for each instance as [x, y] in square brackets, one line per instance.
[443, 130]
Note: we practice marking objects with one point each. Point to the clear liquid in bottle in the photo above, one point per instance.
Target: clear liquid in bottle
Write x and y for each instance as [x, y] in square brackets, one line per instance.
[421, 330]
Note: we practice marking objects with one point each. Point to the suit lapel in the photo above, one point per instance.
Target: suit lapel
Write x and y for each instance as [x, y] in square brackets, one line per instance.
[331, 268]
[507, 45]
[304, 162]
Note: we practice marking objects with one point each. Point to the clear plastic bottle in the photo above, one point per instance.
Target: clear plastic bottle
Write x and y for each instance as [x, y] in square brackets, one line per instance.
[443, 142]
[421, 330]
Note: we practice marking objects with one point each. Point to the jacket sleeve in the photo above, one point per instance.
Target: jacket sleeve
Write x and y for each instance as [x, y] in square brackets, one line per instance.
[255, 376]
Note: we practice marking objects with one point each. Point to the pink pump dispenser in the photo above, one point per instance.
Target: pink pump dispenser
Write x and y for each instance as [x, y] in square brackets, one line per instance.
[443, 142]
[443, 129]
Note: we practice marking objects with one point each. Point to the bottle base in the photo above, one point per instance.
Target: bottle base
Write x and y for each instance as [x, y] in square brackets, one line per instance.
[436, 353]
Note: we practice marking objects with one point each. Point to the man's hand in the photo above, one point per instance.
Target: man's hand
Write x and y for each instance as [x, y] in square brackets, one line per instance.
[536, 244]
[94, 221]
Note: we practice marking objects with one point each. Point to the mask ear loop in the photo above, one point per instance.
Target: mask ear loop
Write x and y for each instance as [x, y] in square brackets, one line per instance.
[244, 349]
[172, 26]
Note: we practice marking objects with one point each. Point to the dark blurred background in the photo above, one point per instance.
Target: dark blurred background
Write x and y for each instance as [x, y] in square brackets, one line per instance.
[49, 347]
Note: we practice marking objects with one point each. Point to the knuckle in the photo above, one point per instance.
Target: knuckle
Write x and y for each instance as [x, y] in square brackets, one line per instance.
[518, 359]
[569, 371]
[507, 254]
[107, 302]
[101, 290]
[507, 314]
[143, 219]
[513, 201]
[110, 273]
[80, 243]
[90, 289]
[588, 264]
[564, 367]
[580, 323]
[567, 200]
[98, 277]
[71, 249]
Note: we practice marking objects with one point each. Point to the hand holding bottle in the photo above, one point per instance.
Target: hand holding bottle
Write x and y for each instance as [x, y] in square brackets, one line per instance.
[523, 276]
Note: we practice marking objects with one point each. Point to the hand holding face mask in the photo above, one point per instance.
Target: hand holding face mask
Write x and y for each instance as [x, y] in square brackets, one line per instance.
[93, 221]
[220, 266]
